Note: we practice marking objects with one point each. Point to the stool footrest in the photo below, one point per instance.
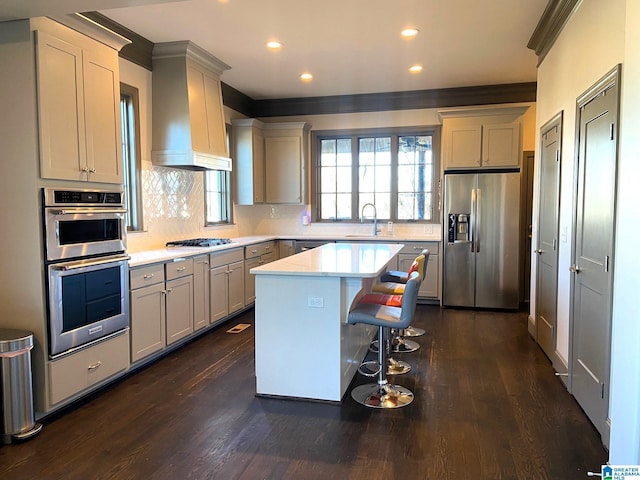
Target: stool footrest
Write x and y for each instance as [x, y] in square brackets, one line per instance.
[369, 369]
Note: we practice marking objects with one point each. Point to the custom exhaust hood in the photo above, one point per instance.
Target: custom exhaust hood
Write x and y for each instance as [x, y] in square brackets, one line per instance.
[188, 116]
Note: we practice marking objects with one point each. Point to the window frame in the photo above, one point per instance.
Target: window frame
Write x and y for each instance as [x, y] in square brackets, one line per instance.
[355, 135]
[228, 198]
[132, 170]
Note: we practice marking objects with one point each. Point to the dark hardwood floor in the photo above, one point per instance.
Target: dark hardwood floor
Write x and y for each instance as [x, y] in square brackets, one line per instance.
[487, 406]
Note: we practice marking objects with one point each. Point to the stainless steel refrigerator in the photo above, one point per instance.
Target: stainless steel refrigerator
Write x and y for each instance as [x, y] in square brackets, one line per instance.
[481, 239]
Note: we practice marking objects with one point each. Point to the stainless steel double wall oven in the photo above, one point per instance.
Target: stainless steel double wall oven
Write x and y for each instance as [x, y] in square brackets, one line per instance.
[87, 267]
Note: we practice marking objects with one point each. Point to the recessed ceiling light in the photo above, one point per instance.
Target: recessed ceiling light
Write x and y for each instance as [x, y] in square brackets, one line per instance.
[306, 77]
[415, 68]
[274, 45]
[409, 32]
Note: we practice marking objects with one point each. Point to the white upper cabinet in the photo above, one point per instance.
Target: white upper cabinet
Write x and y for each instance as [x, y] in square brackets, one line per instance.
[78, 106]
[481, 138]
[248, 159]
[188, 116]
[286, 162]
[271, 161]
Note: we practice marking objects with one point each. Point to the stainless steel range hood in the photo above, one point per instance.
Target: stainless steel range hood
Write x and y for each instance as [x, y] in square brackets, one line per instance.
[188, 116]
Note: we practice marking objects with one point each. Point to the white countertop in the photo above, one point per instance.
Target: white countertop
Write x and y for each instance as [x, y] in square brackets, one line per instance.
[170, 253]
[148, 257]
[335, 260]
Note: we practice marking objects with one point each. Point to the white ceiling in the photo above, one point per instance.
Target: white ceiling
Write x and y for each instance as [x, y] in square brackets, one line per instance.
[350, 46]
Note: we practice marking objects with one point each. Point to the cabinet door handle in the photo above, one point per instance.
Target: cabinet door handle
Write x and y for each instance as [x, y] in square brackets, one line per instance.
[94, 366]
[181, 269]
[149, 276]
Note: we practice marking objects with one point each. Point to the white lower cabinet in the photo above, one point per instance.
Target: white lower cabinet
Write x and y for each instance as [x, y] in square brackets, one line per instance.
[430, 285]
[201, 306]
[148, 331]
[255, 255]
[226, 284]
[79, 372]
[179, 299]
[162, 306]
[286, 248]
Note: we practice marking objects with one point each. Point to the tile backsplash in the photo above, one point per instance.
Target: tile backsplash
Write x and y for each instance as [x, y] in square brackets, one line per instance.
[173, 209]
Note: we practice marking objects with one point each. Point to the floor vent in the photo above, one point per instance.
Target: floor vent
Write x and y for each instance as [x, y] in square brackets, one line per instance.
[239, 328]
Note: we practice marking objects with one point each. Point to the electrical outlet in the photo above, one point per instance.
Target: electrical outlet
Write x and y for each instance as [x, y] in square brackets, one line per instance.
[315, 302]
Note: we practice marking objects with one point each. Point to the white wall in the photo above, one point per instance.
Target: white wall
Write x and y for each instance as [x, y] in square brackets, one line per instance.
[590, 45]
[598, 36]
[625, 372]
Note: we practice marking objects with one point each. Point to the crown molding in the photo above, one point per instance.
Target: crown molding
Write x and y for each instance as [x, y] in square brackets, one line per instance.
[139, 51]
[188, 49]
[416, 99]
[85, 25]
[551, 23]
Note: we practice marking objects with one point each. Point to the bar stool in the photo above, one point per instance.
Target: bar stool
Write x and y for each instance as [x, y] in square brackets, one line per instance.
[392, 284]
[382, 394]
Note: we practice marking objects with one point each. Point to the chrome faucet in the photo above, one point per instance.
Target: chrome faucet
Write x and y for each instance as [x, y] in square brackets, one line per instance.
[375, 217]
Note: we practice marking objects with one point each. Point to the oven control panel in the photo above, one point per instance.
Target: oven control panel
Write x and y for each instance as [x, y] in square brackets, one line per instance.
[69, 197]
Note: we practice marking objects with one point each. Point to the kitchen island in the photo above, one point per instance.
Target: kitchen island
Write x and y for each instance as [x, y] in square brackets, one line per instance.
[304, 346]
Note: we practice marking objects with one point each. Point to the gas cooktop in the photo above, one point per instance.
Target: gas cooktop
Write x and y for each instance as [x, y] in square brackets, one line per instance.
[199, 242]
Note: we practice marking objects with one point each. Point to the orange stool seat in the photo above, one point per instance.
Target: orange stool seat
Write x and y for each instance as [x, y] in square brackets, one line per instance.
[383, 299]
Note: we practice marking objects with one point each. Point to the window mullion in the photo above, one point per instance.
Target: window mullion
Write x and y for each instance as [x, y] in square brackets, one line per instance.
[355, 165]
[393, 208]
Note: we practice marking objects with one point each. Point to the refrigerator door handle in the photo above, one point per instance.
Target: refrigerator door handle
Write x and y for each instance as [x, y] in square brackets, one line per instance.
[472, 225]
[478, 219]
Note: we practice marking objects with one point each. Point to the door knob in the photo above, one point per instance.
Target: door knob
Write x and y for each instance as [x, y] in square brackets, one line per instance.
[539, 251]
[574, 269]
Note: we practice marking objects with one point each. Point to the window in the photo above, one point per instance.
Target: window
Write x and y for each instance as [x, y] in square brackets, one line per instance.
[129, 113]
[395, 170]
[216, 188]
[217, 194]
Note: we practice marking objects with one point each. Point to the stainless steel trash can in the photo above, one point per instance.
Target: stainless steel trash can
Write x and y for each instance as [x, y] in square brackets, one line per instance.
[16, 391]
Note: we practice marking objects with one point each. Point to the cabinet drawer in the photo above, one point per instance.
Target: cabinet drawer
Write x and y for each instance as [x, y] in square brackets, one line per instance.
[179, 267]
[77, 372]
[417, 247]
[226, 257]
[259, 249]
[144, 276]
[267, 258]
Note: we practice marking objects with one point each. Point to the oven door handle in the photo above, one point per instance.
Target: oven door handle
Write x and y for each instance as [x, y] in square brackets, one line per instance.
[76, 211]
[64, 267]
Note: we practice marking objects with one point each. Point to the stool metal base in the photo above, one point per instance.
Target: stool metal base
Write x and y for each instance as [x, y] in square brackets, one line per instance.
[397, 367]
[405, 346]
[413, 331]
[402, 346]
[382, 396]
